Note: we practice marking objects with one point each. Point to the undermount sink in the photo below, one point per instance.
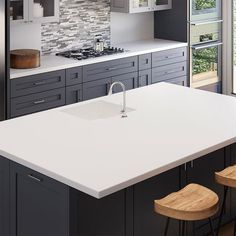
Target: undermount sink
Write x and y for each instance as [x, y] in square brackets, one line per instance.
[96, 110]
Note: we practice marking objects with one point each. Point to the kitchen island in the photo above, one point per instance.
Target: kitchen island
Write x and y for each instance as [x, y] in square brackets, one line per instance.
[84, 170]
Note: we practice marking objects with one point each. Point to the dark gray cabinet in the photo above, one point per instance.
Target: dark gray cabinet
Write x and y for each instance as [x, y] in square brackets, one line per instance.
[39, 205]
[169, 57]
[37, 102]
[129, 80]
[74, 76]
[168, 72]
[146, 221]
[144, 78]
[37, 83]
[98, 217]
[74, 94]
[145, 61]
[96, 89]
[4, 197]
[179, 81]
[110, 68]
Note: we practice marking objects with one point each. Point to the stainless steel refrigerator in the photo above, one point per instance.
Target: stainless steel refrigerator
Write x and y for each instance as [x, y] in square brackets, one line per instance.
[4, 57]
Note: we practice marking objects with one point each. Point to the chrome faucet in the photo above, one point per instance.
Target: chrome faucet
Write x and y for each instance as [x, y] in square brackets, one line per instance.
[123, 111]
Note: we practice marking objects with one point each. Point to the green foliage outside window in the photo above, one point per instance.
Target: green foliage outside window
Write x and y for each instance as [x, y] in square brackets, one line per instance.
[204, 4]
[204, 60]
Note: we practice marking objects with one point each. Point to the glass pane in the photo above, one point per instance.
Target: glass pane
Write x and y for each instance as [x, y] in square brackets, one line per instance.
[43, 8]
[16, 10]
[199, 6]
[205, 64]
[161, 2]
[140, 3]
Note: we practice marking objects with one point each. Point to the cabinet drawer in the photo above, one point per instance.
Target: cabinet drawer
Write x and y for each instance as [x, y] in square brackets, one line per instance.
[74, 76]
[37, 102]
[74, 94]
[144, 78]
[169, 57]
[169, 72]
[130, 81]
[96, 89]
[109, 69]
[37, 83]
[145, 61]
[179, 81]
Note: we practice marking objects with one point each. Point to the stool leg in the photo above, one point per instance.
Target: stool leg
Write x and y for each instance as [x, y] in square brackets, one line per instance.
[167, 226]
[183, 228]
[211, 225]
[235, 227]
[222, 209]
[193, 228]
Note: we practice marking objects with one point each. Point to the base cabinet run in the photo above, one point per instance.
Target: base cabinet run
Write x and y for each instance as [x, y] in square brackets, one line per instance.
[34, 204]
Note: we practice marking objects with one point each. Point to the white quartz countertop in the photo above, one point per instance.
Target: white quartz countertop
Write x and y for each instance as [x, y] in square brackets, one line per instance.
[53, 63]
[94, 150]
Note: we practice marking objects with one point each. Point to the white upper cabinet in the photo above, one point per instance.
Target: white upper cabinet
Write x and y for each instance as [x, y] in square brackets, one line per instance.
[136, 6]
[34, 11]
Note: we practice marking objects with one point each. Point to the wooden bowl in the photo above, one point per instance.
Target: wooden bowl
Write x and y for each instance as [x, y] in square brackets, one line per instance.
[25, 58]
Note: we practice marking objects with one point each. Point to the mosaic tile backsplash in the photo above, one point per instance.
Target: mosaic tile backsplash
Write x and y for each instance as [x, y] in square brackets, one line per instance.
[80, 21]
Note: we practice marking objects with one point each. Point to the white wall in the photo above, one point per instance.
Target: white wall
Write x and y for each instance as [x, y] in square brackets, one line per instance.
[131, 27]
[24, 36]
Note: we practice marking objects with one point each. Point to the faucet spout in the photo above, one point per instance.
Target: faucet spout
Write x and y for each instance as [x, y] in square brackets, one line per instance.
[123, 111]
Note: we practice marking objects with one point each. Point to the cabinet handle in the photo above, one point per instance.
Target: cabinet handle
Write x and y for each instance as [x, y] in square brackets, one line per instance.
[192, 164]
[111, 68]
[185, 167]
[39, 102]
[39, 83]
[170, 57]
[35, 178]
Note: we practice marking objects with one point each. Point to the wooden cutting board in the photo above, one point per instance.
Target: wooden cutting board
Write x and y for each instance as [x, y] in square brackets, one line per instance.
[25, 58]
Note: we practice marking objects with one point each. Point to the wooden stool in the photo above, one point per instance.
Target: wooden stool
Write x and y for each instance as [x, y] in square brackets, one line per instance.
[227, 178]
[192, 203]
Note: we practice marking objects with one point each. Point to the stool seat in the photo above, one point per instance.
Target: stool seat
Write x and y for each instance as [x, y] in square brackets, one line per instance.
[227, 177]
[194, 202]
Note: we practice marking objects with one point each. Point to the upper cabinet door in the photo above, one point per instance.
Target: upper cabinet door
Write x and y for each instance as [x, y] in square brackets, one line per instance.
[44, 11]
[136, 6]
[34, 11]
[19, 11]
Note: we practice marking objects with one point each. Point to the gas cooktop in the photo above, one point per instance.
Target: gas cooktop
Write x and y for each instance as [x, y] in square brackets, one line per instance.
[80, 54]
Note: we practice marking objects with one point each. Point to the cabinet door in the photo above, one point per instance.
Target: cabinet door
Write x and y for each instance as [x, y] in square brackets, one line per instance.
[144, 78]
[146, 221]
[129, 80]
[97, 217]
[202, 171]
[74, 94]
[145, 61]
[74, 76]
[96, 89]
[41, 11]
[39, 205]
[4, 197]
[19, 11]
